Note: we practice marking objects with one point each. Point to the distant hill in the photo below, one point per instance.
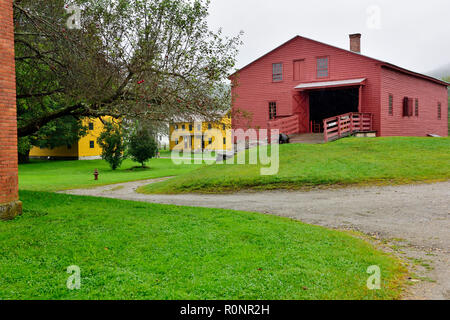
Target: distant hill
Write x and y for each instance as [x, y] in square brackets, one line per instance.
[441, 72]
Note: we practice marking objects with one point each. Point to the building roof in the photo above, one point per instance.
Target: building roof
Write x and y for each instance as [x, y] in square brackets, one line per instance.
[328, 84]
[383, 63]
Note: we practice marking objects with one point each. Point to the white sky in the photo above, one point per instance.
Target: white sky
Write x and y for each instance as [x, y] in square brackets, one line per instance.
[414, 34]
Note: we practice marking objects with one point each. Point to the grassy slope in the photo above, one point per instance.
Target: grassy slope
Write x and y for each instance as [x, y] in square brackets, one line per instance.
[61, 175]
[347, 161]
[130, 250]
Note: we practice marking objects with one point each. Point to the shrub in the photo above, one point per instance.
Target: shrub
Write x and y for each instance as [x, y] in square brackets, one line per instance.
[142, 146]
[111, 142]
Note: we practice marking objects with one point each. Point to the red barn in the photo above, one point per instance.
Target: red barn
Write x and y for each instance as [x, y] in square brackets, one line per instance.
[307, 86]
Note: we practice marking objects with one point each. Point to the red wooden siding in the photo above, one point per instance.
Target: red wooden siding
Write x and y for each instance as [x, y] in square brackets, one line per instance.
[429, 95]
[299, 56]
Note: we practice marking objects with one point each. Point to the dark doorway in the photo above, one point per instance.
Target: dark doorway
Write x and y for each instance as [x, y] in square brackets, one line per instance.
[328, 103]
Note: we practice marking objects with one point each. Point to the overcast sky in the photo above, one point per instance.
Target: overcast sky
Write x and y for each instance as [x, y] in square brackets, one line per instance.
[414, 34]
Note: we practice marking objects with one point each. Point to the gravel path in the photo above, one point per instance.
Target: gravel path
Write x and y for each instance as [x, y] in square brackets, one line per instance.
[416, 218]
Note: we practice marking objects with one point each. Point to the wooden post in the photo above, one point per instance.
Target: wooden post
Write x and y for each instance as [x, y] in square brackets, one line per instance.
[360, 99]
[325, 130]
[339, 126]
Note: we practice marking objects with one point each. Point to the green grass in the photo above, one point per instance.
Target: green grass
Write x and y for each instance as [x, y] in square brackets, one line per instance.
[63, 175]
[131, 250]
[348, 161]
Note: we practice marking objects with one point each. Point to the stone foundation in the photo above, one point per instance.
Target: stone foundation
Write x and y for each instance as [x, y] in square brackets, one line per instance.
[10, 210]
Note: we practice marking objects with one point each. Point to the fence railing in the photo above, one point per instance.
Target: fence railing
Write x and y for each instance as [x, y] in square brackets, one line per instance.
[346, 124]
[287, 125]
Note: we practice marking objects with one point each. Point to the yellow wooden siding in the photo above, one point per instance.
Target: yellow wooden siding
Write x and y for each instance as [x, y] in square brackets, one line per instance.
[190, 129]
[80, 149]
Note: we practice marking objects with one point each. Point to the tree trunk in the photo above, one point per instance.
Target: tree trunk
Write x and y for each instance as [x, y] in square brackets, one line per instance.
[24, 157]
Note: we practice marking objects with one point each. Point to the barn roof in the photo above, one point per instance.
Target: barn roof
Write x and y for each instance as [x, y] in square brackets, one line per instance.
[383, 63]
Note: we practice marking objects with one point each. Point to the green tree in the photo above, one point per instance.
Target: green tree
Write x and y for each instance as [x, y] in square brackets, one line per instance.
[142, 146]
[147, 59]
[112, 143]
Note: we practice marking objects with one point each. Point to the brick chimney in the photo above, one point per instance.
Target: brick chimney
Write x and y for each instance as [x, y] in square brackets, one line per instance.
[355, 42]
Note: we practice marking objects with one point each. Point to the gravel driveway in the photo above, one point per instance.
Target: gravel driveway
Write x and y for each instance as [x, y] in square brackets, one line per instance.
[414, 218]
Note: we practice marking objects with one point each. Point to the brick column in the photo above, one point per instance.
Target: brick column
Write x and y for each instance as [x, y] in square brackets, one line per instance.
[9, 204]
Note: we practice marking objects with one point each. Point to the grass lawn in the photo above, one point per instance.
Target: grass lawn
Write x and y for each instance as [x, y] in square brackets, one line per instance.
[344, 162]
[131, 250]
[62, 175]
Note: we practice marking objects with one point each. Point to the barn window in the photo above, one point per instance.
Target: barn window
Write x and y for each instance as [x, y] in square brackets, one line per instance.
[224, 140]
[439, 111]
[209, 126]
[391, 105]
[322, 67]
[176, 127]
[272, 110]
[277, 72]
[176, 141]
[416, 108]
[183, 127]
[91, 144]
[407, 107]
[199, 127]
[223, 126]
[91, 126]
[210, 141]
[190, 127]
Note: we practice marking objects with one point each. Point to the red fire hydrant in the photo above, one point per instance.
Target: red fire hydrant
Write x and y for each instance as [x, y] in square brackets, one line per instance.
[96, 174]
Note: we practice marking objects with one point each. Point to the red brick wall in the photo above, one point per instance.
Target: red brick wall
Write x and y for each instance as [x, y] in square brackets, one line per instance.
[256, 88]
[429, 94]
[8, 125]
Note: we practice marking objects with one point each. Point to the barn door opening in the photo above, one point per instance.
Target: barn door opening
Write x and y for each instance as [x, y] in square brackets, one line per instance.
[327, 103]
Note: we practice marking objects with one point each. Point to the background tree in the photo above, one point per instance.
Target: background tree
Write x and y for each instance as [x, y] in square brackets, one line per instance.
[142, 146]
[112, 143]
[148, 59]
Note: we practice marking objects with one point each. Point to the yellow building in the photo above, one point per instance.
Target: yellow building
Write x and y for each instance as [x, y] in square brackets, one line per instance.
[199, 136]
[86, 148]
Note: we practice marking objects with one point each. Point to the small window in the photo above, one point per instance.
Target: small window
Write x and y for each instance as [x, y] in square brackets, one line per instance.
[391, 105]
[439, 111]
[224, 140]
[223, 126]
[210, 141]
[209, 126]
[416, 107]
[176, 141]
[277, 72]
[91, 126]
[183, 127]
[176, 127]
[91, 144]
[190, 127]
[199, 127]
[272, 110]
[322, 67]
